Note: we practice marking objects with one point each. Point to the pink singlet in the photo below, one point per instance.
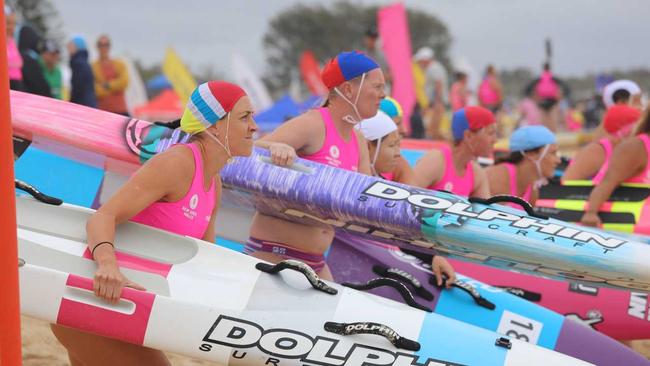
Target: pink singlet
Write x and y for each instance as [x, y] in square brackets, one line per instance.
[644, 177]
[189, 216]
[463, 185]
[336, 152]
[512, 172]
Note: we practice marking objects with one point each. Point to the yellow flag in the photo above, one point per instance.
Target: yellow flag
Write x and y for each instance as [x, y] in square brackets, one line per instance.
[420, 81]
[178, 75]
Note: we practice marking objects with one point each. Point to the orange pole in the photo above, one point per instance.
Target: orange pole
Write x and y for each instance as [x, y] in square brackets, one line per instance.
[10, 342]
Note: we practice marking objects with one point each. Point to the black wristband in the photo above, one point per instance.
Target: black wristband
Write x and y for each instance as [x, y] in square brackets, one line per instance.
[92, 252]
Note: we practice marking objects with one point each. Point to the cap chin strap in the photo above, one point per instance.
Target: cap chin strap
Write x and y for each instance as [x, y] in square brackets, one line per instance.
[226, 147]
[541, 180]
[348, 118]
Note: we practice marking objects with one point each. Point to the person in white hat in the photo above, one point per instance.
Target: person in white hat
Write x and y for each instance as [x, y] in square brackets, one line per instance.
[435, 87]
[622, 92]
[383, 140]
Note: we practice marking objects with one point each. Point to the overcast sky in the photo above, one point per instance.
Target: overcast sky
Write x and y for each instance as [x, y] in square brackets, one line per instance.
[588, 35]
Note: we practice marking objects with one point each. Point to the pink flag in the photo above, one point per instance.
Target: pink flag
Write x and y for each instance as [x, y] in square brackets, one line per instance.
[395, 37]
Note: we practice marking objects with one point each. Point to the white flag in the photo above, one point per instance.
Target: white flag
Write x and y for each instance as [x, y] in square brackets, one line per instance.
[251, 83]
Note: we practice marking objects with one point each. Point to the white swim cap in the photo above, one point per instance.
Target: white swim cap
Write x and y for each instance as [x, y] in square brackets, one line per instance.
[609, 90]
[376, 127]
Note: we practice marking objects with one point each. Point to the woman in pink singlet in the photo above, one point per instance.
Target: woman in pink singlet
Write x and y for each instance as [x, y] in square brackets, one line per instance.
[14, 59]
[327, 136]
[591, 161]
[532, 160]
[490, 92]
[219, 115]
[454, 169]
[629, 163]
[382, 136]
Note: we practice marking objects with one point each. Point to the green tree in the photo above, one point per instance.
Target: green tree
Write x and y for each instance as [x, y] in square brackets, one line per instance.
[327, 30]
[42, 15]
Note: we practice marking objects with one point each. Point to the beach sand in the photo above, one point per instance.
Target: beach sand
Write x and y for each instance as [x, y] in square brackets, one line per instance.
[40, 348]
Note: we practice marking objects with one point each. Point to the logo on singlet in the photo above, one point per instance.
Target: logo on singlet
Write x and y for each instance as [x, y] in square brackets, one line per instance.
[449, 186]
[194, 201]
[334, 152]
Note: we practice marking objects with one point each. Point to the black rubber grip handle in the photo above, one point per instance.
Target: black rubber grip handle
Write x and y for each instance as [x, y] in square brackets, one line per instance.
[476, 296]
[37, 194]
[500, 198]
[406, 294]
[404, 277]
[346, 329]
[523, 293]
[300, 267]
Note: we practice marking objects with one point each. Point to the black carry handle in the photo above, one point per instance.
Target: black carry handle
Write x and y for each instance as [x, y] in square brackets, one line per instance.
[301, 267]
[478, 299]
[380, 282]
[171, 124]
[405, 277]
[37, 194]
[499, 198]
[385, 331]
[523, 293]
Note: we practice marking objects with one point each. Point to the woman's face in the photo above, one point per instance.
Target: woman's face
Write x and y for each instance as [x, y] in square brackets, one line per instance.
[482, 141]
[241, 128]
[549, 162]
[388, 154]
[371, 94]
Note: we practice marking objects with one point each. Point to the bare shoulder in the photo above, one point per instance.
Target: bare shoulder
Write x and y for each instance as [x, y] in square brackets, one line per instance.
[630, 146]
[308, 119]
[498, 179]
[178, 159]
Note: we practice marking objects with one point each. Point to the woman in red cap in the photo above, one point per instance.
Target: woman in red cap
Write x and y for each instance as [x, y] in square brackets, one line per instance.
[220, 117]
[629, 163]
[455, 169]
[325, 135]
[591, 162]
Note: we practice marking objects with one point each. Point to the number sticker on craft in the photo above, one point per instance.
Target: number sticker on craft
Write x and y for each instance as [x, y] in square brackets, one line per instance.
[519, 327]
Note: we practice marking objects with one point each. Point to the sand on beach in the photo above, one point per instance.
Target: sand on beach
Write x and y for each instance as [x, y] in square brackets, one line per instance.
[40, 348]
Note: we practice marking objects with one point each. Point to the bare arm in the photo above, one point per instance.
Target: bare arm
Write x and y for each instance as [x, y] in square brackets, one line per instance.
[210, 234]
[624, 164]
[586, 163]
[404, 173]
[296, 133]
[429, 169]
[497, 181]
[437, 85]
[293, 136]
[364, 155]
[481, 183]
[496, 86]
[149, 184]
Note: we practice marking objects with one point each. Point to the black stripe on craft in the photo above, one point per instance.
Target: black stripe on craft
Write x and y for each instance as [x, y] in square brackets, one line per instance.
[555, 191]
[575, 216]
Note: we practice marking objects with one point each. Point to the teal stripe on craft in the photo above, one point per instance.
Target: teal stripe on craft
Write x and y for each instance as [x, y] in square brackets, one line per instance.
[458, 305]
[462, 344]
[63, 178]
[412, 156]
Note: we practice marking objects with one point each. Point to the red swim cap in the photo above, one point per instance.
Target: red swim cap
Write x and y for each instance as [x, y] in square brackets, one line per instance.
[619, 116]
[346, 66]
